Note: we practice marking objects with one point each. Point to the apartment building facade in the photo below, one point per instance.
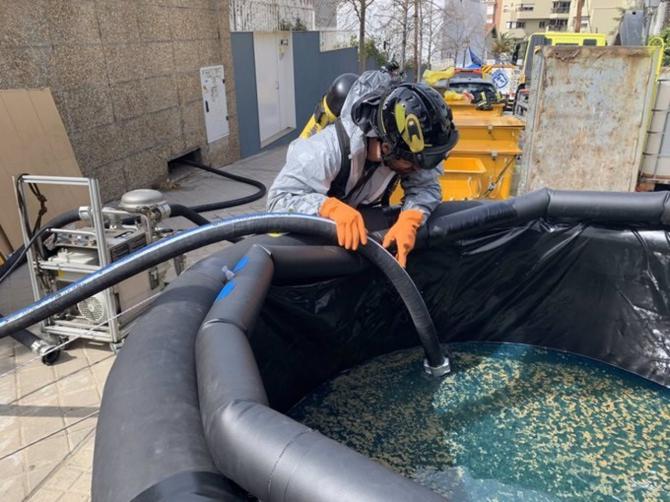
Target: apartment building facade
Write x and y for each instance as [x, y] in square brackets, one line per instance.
[601, 16]
[520, 18]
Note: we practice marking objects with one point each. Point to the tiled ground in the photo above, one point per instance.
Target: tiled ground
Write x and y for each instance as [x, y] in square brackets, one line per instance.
[48, 414]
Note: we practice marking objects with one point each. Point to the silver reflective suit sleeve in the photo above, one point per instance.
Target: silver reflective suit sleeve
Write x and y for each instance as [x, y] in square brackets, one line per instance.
[303, 183]
[312, 164]
[422, 190]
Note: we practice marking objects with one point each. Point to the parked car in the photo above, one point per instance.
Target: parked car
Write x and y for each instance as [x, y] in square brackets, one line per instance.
[483, 91]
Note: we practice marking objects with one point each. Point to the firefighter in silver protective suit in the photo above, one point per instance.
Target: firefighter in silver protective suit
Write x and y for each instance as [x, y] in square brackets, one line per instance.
[387, 131]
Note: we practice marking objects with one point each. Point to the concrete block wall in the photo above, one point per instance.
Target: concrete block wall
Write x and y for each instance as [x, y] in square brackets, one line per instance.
[125, 77]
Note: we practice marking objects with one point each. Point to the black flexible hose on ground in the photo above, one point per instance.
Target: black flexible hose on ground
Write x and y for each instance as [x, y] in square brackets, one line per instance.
[35, 344]
[165, 249]
[189, 214]
[214, 206]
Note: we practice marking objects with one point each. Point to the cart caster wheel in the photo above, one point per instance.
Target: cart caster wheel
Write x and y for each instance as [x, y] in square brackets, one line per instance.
[51, 357]
[116, 347]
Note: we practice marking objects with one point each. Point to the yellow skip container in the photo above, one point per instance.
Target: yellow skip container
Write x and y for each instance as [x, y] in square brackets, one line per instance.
[482, 163]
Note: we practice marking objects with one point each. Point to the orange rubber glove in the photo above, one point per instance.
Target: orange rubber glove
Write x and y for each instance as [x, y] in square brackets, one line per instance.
[403, 233]
[350, 227]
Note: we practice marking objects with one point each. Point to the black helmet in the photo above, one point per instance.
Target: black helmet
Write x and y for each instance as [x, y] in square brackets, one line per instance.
[416, 122]
[338, 91]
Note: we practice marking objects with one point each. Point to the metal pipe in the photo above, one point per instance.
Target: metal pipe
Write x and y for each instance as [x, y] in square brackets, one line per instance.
[215, 206]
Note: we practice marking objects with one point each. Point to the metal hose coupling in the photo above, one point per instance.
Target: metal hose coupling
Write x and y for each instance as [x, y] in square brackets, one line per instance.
[439, 370]
[48, 352]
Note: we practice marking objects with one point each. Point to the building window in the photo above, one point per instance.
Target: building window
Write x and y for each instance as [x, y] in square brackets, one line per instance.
[542, 24]
[561, 7]
[525, 7]
[558, 24]
[515, 24]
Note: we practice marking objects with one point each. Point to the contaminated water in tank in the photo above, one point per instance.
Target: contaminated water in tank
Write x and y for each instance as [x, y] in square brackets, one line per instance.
[513, 422]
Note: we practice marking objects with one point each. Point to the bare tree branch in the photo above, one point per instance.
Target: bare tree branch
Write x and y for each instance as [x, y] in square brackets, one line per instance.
[360, 8]
[461, 25]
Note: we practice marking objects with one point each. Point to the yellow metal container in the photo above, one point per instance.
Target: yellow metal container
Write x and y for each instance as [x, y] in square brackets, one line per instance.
[499, 168]
[482, 163]
[467, 179]
[489, 128]
[464, 109]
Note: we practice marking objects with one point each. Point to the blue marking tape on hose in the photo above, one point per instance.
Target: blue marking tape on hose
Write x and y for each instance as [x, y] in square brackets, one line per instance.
[241, 264]
[225, 291]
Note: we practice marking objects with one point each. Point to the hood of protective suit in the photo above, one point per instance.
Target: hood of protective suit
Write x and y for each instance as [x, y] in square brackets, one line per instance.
[371, 84]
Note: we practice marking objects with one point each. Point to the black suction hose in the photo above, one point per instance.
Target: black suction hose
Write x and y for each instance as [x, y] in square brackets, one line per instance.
[203, 208]
[163, 250]
[189, 214]
[48, 351]
[18, 257]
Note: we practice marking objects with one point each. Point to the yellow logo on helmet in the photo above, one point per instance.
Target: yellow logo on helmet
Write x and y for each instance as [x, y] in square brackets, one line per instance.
[409, 128]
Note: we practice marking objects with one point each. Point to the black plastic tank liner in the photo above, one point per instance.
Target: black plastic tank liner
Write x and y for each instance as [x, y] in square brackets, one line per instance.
[598, 288]
[591, 290]
[268, 454]
[166, 437]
